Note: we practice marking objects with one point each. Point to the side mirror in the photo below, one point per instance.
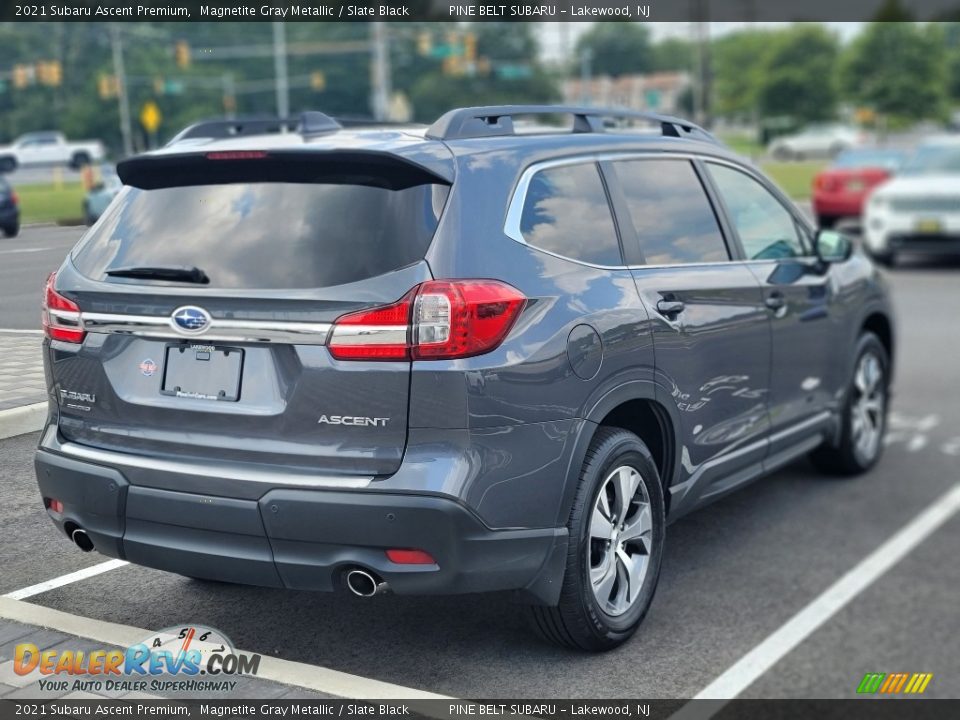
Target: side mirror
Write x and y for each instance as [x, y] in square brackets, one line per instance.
[831, 246]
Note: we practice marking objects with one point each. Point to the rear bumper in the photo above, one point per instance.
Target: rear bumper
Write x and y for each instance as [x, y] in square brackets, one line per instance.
[838, 206]
[299, 538]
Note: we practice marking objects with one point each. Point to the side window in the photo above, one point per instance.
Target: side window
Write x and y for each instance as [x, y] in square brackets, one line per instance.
[766, 228]
[671, 212]
[566, 212]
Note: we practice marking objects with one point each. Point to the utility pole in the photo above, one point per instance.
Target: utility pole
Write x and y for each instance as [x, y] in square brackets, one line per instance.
[586, 76]
[123, 98]
[229, 96]
[280, 69]
[380, 71]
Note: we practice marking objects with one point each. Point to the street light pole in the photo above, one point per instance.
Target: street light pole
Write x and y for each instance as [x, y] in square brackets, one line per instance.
[123, 98]
[280, 69]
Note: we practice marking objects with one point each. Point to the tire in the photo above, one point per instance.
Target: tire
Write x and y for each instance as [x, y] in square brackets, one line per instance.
[864, 410]
[826, 221]
[11, 231]
[782, 153]
[8, 164]
[79, 160]
[582, 621]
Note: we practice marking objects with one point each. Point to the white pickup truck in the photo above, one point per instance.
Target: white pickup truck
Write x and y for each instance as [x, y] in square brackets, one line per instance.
[49, 148]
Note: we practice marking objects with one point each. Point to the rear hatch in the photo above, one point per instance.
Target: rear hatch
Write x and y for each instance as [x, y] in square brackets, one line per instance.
[207, 293]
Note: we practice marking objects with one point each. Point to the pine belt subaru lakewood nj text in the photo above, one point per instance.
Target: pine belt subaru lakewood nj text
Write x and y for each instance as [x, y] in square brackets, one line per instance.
[485, 355]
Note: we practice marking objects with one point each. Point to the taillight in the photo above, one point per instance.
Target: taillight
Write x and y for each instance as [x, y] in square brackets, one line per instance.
[14, 198]
[437, 320]
[61, 317]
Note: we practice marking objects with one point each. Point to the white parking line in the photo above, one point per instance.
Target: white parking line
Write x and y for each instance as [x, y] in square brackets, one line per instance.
[21, 332]
[287, 672]
[765, 655]
[73, 577]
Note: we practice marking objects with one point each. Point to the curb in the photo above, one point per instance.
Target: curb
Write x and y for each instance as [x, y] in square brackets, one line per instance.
[22, 420]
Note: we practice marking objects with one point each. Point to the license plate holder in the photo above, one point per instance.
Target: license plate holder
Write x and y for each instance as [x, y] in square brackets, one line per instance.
[203, 372]
[928, 225]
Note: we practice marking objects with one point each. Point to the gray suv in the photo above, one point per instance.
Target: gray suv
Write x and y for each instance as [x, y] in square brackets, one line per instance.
[454, 359]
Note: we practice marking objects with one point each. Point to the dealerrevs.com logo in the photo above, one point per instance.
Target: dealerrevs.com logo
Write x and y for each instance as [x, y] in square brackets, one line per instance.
[189, 658]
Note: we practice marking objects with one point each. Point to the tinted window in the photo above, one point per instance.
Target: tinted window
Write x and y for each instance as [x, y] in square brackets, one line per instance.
[566, 212]
[766, 228]
[267, 235]
[671, 213]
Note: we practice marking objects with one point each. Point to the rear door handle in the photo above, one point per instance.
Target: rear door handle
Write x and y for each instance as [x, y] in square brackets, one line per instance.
[670, 308]
[775, 301]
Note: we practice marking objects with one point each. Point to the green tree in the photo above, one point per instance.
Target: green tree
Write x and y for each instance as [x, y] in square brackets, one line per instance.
[798, 74]
[899, 70]
[674, 54]
[737, 61]
[617, 48]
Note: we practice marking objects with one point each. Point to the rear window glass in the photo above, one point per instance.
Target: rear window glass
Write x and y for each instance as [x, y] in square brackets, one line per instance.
[266, 235]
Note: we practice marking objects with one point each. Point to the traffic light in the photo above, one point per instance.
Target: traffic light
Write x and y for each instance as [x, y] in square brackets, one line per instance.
[181, 53]
[49, 72]
[21, 76]
[108, 86]
[470, 47]
[55, 73]
[424, 43]
[318, 81]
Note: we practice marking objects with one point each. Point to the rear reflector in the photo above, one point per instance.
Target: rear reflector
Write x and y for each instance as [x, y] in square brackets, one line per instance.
[55, 505]
[410, 557]
[437, 320]
[60, 316]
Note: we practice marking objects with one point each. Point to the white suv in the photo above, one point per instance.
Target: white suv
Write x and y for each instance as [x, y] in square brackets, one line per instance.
[919, 210]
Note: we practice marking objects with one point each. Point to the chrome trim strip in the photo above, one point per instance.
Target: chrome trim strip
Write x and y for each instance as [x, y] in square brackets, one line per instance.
[370, 335]
[243, 474]
[817, 419]
[297, 333]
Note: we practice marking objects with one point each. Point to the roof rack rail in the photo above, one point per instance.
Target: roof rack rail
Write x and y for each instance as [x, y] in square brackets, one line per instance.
[497, 120]
[307, 124]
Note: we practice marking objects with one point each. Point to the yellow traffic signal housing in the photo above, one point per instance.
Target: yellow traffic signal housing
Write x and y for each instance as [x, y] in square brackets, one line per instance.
[108, 86]
[21, 76]
[424, 43]
[470, 47]
[181, 53]
[318, 81]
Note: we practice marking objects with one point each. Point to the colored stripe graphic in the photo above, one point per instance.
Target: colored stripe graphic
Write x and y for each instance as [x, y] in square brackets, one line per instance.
[894, 683]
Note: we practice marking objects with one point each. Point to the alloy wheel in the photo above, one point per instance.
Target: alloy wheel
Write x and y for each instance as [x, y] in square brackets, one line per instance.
[620, 543]
[867, 408]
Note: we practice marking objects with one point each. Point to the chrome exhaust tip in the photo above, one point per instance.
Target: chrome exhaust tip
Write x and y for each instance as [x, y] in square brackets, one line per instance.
[82, 540]
[365, 584]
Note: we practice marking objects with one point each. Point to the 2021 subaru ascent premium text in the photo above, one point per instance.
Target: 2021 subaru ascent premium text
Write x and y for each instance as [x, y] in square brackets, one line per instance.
[449, 360]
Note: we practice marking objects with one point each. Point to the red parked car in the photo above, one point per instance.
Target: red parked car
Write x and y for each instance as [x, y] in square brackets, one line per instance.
[841, 190]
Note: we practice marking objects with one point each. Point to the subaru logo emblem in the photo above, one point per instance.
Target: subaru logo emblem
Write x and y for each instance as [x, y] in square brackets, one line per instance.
[190, 319]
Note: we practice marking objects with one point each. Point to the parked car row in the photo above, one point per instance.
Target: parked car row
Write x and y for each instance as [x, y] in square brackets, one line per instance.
[907, 202]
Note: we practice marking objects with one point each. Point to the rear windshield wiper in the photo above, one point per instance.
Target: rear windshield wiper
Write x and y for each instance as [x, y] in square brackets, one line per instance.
[174, 274]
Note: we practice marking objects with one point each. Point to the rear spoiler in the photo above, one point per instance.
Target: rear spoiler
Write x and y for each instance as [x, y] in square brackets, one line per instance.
[216, 167]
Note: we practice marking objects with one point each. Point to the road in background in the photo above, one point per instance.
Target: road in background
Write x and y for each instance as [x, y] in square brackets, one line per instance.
[733, 573]
[25, 263]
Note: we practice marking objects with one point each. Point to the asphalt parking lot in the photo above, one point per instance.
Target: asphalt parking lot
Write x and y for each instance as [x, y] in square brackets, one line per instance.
[734, 573]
